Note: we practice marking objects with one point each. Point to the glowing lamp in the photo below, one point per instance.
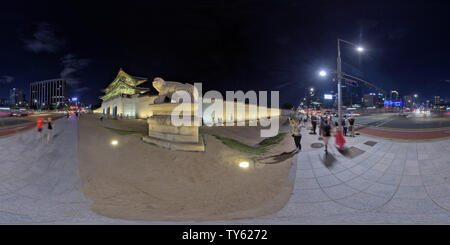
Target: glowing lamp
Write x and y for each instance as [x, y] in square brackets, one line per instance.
[244, 164]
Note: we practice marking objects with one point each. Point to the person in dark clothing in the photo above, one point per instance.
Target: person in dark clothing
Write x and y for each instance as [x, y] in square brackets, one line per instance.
[326, 131]
[351, 121]
[50, 130]
[321, 124]
[344, 125]
[314, 123]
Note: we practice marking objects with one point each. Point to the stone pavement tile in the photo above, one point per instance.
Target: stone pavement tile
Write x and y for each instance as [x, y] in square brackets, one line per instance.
[411, 192]
[411, 170]
[346, 175]
[362, 201]
[3, 190]
[443, 202]
[411, 206]
[347, 163]
[410, 162]
[432, 219]
[358, 170]
[336, 168]
[445, 174]
[372, 175]
[305, 173]
[319, 172]
[303, 165]
[381, 190]
[390, 179]
[329, 180]
[310, 195]
[368, 164]
[423, 156]
[35, 191]
[380, 166]
[304, 184]
[14, 184]
[319, 209]
[442, 164]
[339, 191]
[359, 183]
[428, 171]
[411, 180]
[386, 160]
[395, 168]
[440, 190]
[373, 218]
[432, 179]
[17, 204]
[302, 157]
[360, 159]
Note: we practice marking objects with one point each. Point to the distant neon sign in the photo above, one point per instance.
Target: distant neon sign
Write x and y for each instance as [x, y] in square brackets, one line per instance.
[328, 96]
[392, 103]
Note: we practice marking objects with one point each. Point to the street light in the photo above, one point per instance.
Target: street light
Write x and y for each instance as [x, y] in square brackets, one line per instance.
[339, 75]
[323, 73]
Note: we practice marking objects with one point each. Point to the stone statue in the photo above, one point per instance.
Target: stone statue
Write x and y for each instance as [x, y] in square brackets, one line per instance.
[166, 90]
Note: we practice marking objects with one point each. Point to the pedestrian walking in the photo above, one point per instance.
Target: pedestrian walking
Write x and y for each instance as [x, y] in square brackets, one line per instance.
[50, 130]
[345, 125]
[296, 132]
[321, 124]
[326, 134]
[39, 125]
[351, 122]
[314, 123]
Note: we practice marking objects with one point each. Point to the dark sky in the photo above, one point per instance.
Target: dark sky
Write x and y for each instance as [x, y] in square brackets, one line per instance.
[227, 45]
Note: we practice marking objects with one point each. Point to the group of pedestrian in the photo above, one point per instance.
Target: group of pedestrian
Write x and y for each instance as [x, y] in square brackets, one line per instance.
[348, 125]
[326, 124]
[40, 125]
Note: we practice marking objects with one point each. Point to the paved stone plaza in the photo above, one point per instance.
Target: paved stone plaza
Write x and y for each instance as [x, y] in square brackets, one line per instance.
[388, 183]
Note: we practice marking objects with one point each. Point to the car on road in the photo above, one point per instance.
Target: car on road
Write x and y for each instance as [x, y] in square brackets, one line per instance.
[352, 114]
[20, 113]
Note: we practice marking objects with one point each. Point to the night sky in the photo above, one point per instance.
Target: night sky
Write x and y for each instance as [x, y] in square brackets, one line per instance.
[227, 45]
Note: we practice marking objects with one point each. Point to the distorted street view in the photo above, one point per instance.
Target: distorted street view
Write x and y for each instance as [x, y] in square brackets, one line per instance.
[225, 112]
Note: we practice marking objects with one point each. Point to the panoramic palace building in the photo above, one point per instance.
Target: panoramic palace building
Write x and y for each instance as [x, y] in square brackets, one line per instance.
[124, 98]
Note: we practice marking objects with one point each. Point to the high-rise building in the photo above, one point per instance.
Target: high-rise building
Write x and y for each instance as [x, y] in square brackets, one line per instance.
[351, 95]
[394, 95]
[4, 101]
[437, 100]
[370, 100]
[48, 92]
[408, 101]
[16, 97]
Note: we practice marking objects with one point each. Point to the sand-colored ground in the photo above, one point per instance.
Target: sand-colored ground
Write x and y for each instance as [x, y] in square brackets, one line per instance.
[139, 181]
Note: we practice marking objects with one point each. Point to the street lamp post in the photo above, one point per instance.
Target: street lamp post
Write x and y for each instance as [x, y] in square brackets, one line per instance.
[339, 76]
[339, 79]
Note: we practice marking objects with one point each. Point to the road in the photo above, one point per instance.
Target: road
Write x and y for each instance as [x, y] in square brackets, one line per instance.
[412, 121]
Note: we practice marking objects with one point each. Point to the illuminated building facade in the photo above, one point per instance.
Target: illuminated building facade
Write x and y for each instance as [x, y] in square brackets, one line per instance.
[48, 92]
[123, 97]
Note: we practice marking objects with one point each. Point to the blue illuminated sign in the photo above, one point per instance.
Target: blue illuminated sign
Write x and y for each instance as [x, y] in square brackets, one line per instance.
[393, 103]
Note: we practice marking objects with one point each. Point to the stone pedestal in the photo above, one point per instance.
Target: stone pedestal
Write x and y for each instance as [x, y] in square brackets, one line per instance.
[162, 133]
